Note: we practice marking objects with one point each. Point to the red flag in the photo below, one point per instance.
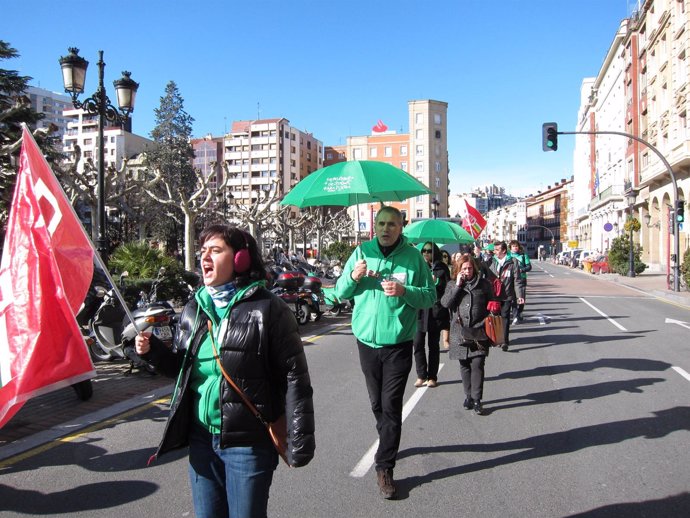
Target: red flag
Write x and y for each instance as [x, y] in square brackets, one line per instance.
[46, 269]
[474, 223]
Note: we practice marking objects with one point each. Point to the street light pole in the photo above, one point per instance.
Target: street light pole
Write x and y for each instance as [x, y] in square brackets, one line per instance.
[631, 255]
[74, 76]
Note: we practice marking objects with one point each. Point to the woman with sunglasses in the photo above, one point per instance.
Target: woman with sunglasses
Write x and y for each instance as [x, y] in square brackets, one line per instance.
[431, 321]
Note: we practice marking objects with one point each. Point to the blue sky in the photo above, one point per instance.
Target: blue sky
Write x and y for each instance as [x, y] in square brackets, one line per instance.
[334, 68]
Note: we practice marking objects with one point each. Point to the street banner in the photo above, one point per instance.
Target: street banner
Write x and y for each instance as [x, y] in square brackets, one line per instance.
[474, 223]
[46, 269]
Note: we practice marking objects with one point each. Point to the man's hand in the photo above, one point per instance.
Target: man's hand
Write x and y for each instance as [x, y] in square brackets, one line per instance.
[141, 343]
[359, 271]
[393, 289]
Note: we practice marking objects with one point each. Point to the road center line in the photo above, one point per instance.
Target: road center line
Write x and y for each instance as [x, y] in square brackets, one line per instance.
[604, 315]
[367, 460]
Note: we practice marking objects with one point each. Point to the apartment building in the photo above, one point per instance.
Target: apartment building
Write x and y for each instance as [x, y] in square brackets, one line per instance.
[653, 47]
[51, 105]
[268, 155]
[599, 161]
[423, 153]
[545, 223]
[119, 143]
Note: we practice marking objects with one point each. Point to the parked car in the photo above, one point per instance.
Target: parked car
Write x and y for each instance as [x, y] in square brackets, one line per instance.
[601, 264]
[584, 256]
[564, 257]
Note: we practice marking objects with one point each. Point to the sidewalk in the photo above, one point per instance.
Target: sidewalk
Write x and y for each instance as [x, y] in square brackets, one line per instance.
[47, 417]
[652, 283]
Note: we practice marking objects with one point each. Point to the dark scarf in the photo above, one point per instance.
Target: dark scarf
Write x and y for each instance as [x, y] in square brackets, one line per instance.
[386, 250]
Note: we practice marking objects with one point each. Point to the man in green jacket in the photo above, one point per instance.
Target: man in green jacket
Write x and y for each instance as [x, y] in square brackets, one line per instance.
[518, 253]
[389, 281]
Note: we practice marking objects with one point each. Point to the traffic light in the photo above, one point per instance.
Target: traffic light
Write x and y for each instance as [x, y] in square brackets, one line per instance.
[680, 211]
[549, 136]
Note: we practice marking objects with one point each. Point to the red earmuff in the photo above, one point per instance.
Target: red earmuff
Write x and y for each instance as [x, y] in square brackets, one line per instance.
[243, 260]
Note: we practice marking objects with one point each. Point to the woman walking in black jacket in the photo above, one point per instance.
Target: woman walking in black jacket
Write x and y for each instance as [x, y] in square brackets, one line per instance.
[235, 325]
[470, 298]
[431, 321]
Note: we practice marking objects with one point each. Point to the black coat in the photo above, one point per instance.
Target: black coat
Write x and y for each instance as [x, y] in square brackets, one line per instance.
[263, 354]
[436, 316]
[468, 309]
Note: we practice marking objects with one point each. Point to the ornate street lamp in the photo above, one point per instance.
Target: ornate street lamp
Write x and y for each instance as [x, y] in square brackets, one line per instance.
[631, 195]
[74, 76]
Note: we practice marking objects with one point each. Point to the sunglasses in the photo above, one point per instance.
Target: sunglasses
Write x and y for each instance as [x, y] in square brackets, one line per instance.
[426, 250]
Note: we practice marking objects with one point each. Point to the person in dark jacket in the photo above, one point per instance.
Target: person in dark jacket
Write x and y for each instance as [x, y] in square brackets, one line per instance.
[507, 269]
[431, 321]
[517, 251]
[470, 297]
[254, 337]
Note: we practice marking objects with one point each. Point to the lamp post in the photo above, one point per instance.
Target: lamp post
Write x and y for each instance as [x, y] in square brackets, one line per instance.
[631, 195]
[74, 76]
[434, 205]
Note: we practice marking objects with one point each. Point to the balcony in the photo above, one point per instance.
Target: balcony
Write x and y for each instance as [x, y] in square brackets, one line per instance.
[611, 193]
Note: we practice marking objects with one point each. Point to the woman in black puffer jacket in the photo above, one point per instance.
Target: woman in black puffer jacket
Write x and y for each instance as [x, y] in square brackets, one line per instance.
[255, 336]
[469, 297]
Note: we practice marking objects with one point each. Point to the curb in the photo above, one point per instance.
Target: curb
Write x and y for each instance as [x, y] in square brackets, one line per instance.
[56, 432]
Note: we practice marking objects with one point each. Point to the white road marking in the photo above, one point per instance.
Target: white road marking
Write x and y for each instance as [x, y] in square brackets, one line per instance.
[604, 315]
[367, 460]
[682, 372]
[679, 322]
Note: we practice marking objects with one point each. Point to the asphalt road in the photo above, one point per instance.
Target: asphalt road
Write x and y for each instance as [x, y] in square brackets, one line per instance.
[588, 415]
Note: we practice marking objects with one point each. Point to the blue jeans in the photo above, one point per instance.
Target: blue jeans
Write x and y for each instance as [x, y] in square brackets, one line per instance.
[232, 482]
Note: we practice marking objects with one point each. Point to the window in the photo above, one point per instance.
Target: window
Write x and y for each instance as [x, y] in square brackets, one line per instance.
[373, 152]
[387, 151]
[437, 133]
[419, 134]
[420, 213]
[419, 166]
[437, 118]
[419, 150]
[438, 166]
[88, 142]
[438, 182]
[418, 118]
[403, 166]
[329, 156]
[357, 153]
[403, 150]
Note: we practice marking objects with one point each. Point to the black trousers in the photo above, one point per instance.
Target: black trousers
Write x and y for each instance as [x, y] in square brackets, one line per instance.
[427, 370]
[472, 374]
[386, 370]
[505, 313]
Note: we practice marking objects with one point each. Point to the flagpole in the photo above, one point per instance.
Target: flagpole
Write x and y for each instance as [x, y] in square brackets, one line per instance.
[96, 255]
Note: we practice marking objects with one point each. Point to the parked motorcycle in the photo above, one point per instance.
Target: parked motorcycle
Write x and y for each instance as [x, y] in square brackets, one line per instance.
[113, 332]
[307, 303]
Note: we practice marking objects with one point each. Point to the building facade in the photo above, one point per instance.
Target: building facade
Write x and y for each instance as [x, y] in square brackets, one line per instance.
[268, 155]
[52, 105]
[423, 153]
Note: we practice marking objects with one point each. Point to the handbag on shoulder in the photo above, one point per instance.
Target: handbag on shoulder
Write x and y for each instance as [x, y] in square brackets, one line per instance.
[494, 326]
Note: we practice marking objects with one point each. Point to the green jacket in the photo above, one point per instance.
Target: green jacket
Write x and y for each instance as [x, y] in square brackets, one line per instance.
[378, 320]
[525, 264]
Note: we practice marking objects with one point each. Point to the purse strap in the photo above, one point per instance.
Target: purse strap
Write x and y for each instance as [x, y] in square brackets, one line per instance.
[227, 377]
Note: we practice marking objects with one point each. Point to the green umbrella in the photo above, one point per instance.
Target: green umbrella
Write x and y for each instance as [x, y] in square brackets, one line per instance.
[437, 231]
[354, 182]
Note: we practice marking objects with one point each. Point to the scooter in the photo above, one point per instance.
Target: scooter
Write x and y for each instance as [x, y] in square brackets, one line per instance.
[305, 302]
[114, 334]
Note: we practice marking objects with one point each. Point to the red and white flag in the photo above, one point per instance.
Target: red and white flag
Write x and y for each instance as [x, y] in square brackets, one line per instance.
[474, 223]
[46, 269]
